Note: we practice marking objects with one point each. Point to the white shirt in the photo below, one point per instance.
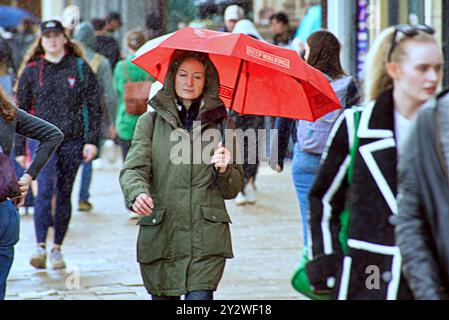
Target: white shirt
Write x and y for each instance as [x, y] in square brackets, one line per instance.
[402, 127]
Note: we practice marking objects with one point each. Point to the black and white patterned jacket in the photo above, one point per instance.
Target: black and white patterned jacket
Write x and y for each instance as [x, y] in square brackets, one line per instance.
[371, 268]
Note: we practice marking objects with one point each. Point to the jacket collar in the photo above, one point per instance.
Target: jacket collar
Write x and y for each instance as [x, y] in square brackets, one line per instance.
[377, 119]
[166, 107]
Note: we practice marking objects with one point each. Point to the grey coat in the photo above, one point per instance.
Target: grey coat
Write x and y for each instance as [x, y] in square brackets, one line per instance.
[423, 220]
[29, 126]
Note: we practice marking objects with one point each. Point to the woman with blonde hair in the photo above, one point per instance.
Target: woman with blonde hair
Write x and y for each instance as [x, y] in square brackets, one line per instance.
[353, 251]
[57, 85]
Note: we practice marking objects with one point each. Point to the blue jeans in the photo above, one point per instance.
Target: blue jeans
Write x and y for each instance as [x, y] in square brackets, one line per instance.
[9, 236]
[194, 295]
[304, 169]
[86, 178]
[57, 177]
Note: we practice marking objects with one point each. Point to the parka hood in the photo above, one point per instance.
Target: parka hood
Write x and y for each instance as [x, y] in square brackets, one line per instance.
[85, 34]
[212, 107]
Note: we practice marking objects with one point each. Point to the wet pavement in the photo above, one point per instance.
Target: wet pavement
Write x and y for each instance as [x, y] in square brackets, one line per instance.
[100, 248]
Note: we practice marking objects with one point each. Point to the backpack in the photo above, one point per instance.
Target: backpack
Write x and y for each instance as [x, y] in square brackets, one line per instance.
[135, 94]
[312, 136]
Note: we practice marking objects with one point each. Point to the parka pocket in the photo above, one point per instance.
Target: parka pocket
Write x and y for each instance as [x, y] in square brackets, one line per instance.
[216, 235]
[152, 242]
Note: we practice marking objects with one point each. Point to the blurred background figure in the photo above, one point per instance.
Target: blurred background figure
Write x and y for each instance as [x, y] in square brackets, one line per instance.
[245, 122]
[23, 39]
[100, 65]
[232, 15]
[113, 22]
[281, 31]
[125, 72]
[105, 44]
[70, 19]
[7, 69]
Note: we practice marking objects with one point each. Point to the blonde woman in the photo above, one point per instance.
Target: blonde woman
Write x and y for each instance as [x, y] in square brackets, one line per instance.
[403, 70]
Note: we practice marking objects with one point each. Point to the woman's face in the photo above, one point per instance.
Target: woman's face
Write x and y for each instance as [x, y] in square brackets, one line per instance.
[53, 42]
[419, 73]
[190, 80]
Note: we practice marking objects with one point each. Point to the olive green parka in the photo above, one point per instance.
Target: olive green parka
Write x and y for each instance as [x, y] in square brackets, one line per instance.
[183, 245]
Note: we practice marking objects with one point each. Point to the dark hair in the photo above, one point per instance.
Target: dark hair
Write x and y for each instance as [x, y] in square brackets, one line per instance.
[114, 16]
[7, 110]
[28, 24]
[325, 53]
[98, 23]
[280, 17]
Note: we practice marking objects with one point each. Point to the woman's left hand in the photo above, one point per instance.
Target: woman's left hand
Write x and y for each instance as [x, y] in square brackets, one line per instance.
[89, 152]
[221, 159]
[24, 183]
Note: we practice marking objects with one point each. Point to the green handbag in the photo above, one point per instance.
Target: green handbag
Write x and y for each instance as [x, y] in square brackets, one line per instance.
[299, 280]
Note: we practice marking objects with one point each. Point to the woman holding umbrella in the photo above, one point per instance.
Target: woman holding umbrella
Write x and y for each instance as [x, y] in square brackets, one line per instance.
[184, 238]
[354, 254]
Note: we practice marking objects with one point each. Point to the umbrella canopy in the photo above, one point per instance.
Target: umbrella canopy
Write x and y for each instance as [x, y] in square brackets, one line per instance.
[256, 78]
[10, 17]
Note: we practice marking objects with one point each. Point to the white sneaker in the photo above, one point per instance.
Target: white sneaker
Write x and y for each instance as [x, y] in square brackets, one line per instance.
[39, 259]
[56, 259]
[250, 193]
[241, 199]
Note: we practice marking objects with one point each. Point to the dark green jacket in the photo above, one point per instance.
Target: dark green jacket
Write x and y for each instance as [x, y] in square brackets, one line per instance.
[183, 245]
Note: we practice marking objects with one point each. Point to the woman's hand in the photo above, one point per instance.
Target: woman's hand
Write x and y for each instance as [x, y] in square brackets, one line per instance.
[143, 205]
[221, 159]
[22, 161]
[89, 152]
[24, 183]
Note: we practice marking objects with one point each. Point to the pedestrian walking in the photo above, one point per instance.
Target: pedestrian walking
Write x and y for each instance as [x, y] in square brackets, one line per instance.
[126, 72]
[58, 86]
[248, 124]
[184, 238]
[85, 34]
[359, 171]
[323, 53]
[282, 36]
[15, 121]
[106, 45]
[423, 203]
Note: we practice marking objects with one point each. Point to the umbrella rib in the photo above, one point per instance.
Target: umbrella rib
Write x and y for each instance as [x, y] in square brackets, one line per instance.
[236, 84]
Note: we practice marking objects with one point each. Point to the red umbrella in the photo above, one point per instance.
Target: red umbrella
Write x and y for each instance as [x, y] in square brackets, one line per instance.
[256, 78]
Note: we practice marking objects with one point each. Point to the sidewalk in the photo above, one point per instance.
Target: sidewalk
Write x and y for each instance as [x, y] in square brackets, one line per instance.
[100, 248]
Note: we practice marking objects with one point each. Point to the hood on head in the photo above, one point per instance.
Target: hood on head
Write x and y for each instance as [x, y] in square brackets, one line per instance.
[85, 34]
[210, 94]
[248, 28]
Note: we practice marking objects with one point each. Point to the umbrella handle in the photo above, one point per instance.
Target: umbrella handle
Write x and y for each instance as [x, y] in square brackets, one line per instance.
[223, 141]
